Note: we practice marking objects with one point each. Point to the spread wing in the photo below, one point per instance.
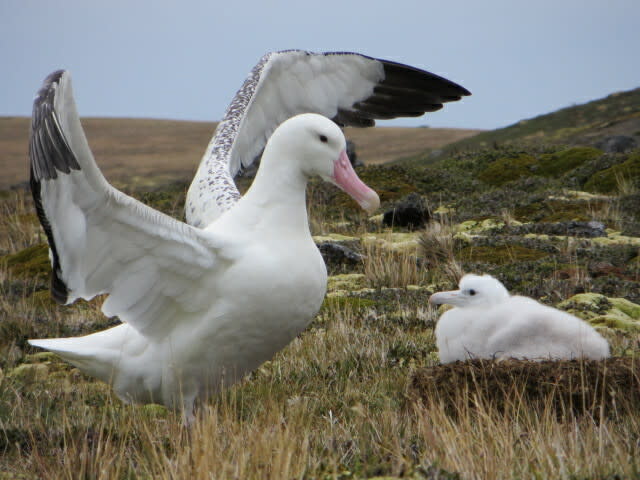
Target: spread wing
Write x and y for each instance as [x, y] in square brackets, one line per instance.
[351, 89]
[154, 268]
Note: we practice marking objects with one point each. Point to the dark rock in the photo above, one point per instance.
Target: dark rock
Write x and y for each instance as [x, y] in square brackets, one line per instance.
[617, 144]
[571, 229]
[335, 254]
[411, 211]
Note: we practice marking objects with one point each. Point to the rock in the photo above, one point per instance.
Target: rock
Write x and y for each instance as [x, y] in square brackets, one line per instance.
[411, 212]
[336, 254]
[571, 228]
[617, 144]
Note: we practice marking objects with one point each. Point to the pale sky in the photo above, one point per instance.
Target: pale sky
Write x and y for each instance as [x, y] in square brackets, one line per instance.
[186, 59]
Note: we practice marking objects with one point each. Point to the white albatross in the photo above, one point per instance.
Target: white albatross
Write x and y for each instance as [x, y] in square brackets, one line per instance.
[203, 304]
[487, 322]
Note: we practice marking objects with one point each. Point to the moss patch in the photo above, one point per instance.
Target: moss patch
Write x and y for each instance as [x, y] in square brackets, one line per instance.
[30, 262]
[606, 181]
[348, 281]
[599, 310]
[556, 210]
[507, 169]
[553, 164]
[501, 254]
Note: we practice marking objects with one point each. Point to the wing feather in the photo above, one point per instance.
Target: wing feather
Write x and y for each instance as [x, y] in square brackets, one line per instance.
[103, 241]
[352, 89]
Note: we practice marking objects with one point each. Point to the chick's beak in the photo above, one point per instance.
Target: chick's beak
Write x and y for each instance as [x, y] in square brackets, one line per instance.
[445, 298]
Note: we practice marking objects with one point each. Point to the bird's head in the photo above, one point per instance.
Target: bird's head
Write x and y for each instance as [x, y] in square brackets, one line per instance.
[320, 146]
[474, 290]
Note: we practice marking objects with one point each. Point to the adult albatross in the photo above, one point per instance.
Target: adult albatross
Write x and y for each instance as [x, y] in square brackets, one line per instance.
[202, 305]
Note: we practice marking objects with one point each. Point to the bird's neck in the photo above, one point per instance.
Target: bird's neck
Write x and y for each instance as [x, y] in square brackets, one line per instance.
[277, 197]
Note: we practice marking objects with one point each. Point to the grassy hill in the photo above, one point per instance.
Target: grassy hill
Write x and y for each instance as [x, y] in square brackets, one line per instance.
[616, 114]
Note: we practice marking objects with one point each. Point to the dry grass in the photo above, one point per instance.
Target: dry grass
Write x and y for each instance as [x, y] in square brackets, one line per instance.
[334, 404]
[19, 226]
[385, 267]
[438, 247]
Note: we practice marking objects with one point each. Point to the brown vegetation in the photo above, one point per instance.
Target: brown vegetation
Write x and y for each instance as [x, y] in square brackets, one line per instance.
[131, 150]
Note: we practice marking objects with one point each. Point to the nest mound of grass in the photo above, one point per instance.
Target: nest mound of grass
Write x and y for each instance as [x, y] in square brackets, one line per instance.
[569, 387]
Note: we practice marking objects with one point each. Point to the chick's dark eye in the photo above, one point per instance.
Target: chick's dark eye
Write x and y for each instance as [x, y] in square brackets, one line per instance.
[472, 292]
[323, 138]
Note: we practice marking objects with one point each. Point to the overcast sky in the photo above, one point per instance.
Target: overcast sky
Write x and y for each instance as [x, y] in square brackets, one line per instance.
[185, 59]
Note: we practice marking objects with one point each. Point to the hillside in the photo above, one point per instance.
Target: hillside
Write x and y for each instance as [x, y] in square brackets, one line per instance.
[134, 150]
[586, 124]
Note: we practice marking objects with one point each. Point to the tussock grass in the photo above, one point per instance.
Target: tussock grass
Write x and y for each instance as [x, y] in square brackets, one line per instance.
[385, 267]
[439, 248]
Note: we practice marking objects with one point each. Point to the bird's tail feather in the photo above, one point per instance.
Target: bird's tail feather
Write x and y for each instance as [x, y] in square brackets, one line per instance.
[98, 363]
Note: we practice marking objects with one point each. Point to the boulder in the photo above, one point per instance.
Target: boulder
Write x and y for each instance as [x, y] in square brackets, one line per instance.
[335, 254]
[411, 212]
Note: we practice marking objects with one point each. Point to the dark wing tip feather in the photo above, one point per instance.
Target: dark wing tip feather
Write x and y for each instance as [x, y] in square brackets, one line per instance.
[405, 91]
[49, 152]
[412, 77]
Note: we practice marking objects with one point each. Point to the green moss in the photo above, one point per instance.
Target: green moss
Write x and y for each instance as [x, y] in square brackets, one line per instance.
[507, 169]
[347, 281]
[555, 210]
[606, 181]
[501, 254]
[553, 164]
[154, 411]
[480, 226]
[29, 373]
[30, 262]
[625, 306]
[602, 311]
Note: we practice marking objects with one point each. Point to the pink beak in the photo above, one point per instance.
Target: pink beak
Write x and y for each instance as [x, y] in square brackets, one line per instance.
[345, 177]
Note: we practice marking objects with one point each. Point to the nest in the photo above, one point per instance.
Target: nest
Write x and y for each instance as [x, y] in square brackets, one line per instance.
[572, 387]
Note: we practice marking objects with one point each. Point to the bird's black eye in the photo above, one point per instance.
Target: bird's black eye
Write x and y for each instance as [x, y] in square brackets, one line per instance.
[472, 292]
[323, 138]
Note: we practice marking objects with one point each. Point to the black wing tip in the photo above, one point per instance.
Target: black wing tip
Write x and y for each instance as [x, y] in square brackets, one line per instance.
[49, 150]
[449, 90]
[59, 290]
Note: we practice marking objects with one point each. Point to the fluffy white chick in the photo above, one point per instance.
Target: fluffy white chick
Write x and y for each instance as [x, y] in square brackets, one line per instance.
[487, 322]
